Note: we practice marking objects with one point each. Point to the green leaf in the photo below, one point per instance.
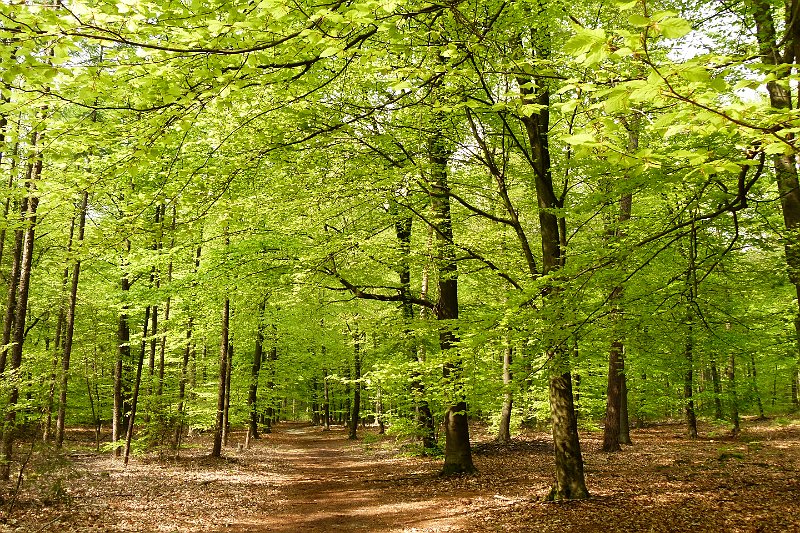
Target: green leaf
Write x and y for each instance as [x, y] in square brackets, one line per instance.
[674, 28]
[579, 138]
[638, 20]
[330, 51]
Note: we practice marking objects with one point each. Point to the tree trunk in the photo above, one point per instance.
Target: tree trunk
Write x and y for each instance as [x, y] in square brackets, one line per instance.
[754, 386]
[355, 415]
[21, 309]
[424, 418]
[616, 361]
[780, 98]
[504, 431]
[223, 378]
[11, 300]
[123, 354]
[70, 325]
[379, 412]
[252, 398]
[137, 384]
[717, 389]
[570, 480]
[733, 395]
[624, 424]
[688, 376]
[58, 340]
[457, 452]
[226, 422]
[273, 357]
[326, 405]
[187, 353]
[613, 399]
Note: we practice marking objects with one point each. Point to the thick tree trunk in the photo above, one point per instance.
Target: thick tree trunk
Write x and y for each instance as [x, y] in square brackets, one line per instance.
[570, 480]
[457, 451]
[780, 97]
[20, 311]
[570, 483]
[223, 378]
[70, 325]
[504, 431]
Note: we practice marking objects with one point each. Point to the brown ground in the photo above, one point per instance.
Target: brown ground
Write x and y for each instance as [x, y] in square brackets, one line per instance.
[301, 479]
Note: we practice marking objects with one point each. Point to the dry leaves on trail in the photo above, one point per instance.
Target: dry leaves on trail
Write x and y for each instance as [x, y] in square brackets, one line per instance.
[303, 479]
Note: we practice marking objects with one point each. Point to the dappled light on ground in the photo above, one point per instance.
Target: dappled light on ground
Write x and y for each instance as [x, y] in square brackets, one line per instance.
[300, 478]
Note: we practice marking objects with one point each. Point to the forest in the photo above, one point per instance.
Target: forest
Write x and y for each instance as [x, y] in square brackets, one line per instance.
[479, 230]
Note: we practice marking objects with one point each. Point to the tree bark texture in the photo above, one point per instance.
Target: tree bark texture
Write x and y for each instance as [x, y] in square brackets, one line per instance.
[70, 325]
[21, 310]
[457, 452]
[216, 451]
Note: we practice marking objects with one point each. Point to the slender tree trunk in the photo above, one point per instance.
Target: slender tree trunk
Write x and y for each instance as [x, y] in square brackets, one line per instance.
[379, 412]
[688, 378]
[624, 424]
[11, 301]
[613, 399]
[4, 99]
[326, 406]
[616, 357]
[733, 395]
[717, 389]
[123, 354]
[504, 432]
[187, 355]
[355, 415]
[226, 422]
[252, 398]
[754, 386]
[795, 382]
[70, 325]
[223, 377]
[163, 346]
[271, 400]
[21, 309]
[136, 387]
[58, 340]
[424, 418]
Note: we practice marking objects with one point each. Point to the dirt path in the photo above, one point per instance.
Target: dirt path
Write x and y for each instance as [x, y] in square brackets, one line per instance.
[333, 485]
[301, 479]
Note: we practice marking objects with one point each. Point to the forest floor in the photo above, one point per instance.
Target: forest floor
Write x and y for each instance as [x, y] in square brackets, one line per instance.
[301, 479]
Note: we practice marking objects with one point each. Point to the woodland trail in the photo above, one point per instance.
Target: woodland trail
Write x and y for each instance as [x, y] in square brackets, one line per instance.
[334, 485]
[300, 479]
